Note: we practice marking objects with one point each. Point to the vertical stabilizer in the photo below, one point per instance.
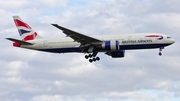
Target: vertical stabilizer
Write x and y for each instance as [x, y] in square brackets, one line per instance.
[25, 31]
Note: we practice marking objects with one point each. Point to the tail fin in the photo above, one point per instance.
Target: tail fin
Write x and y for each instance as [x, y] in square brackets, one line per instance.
[25, 31]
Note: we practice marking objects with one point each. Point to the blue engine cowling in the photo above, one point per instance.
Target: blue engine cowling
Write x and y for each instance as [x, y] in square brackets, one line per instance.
[117, 54]
[112, 45]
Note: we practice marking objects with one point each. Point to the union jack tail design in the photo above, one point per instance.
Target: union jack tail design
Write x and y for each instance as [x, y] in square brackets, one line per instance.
[25, 31]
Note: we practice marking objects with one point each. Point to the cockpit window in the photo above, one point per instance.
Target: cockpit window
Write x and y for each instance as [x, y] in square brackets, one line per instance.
[168, 37]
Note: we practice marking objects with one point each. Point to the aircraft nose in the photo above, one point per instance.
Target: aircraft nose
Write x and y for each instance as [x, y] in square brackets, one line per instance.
[172, 41]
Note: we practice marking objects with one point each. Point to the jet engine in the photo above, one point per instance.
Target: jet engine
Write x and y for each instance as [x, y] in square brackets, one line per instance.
[117, 54]
[112, 45]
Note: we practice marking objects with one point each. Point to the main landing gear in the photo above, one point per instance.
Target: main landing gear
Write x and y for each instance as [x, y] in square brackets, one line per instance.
[160, 49]
[92, 57]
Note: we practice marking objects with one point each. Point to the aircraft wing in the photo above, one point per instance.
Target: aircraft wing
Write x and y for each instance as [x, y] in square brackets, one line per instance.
[78, 37]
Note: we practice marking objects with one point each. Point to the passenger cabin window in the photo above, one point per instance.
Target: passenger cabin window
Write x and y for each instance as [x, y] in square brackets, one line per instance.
[168, 37]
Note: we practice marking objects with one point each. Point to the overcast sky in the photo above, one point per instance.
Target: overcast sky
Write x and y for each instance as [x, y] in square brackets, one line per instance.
[142, 75]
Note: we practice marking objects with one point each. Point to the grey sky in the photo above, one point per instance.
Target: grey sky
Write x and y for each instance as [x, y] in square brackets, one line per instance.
[142, 75]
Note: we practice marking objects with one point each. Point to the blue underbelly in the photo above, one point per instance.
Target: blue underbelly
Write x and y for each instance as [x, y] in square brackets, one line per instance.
[122, 47]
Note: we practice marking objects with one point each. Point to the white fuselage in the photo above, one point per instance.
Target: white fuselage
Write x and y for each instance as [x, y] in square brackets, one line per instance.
[126, 42]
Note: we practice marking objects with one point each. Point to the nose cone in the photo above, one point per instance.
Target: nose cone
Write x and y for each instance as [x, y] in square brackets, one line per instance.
[171, 41]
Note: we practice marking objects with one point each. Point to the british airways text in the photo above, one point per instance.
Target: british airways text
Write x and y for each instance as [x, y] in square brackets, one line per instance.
[136, 41]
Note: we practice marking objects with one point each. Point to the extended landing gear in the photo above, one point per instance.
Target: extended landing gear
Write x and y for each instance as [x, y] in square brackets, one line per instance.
[160, 49]
[160, 53]
[92, 57]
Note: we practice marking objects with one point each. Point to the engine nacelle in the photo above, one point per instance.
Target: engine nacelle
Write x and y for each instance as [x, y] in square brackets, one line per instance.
[117, 54]
[112, 45]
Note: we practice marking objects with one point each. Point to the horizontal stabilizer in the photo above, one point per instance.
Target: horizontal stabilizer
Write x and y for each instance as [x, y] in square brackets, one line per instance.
[19, 41]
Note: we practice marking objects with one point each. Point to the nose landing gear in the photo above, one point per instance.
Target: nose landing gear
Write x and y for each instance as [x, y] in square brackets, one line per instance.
[160, 51]
[92, 57]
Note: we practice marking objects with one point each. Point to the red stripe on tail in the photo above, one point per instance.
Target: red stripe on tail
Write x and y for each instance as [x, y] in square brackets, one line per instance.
[20, 23]
[30, 37]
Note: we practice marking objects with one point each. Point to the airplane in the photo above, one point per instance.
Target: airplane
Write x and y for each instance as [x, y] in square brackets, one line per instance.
[111, 45]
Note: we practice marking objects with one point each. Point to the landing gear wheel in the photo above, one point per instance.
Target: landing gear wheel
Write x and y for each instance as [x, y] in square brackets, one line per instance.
[160, 53]
[90, 60]
[86, 56]
[94, 59]
[90, 55]
[160, 49]
[97, 58]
